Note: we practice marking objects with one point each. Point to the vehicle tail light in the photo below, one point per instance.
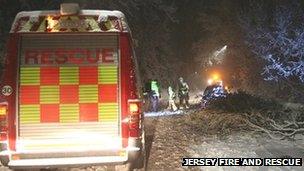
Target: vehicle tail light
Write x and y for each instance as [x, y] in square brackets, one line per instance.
[3, 121]
[3, 110]
[134, 109]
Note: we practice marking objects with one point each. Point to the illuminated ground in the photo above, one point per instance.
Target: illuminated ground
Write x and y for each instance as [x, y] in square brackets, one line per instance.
[173, 139]
[169, 138]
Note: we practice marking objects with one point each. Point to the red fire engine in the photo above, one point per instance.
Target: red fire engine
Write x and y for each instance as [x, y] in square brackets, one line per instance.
[70, 91]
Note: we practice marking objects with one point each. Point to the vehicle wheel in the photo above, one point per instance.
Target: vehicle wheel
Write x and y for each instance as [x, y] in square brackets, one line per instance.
[4, 160]
[140, 164]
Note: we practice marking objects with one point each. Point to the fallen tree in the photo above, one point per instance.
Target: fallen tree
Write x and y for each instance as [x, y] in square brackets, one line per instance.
[287, 129]
[242, 111]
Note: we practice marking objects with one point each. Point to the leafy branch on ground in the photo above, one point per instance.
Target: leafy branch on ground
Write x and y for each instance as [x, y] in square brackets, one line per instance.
[242, 111]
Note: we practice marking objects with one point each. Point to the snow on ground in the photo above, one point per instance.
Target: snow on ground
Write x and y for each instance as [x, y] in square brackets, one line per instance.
[169, 138]
[229, 148]
[163, 113]
[173, 139]
[245, 145]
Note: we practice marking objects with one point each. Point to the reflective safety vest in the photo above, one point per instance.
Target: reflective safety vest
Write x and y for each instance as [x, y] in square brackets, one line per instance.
[171, 93]
[154, 88]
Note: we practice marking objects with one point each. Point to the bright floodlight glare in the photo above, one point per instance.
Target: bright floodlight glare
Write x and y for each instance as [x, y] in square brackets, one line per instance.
[223, 49]
[210, 81]
[218, 52]
[215, 77]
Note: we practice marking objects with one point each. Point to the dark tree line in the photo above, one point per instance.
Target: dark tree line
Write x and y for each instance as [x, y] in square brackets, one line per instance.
[175, 38]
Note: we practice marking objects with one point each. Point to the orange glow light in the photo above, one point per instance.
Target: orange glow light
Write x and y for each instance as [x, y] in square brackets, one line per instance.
[133, 107]
[3, 110]
[215, 77]
[50, 22]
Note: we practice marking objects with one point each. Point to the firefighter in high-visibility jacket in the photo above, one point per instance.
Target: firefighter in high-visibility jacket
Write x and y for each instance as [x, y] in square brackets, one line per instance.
[171, 105]
[154, 95]
[183, 93]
